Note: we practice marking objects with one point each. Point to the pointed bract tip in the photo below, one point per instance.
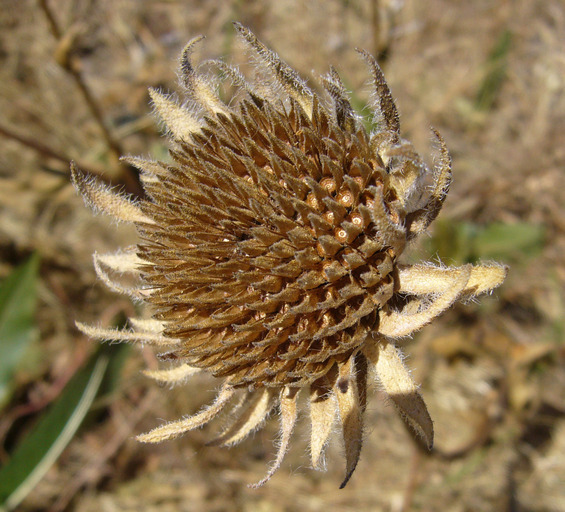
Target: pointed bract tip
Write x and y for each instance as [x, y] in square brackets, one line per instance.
[347, 478]
[185, 64]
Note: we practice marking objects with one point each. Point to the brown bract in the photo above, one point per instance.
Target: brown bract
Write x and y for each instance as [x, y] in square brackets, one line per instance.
[269, 252]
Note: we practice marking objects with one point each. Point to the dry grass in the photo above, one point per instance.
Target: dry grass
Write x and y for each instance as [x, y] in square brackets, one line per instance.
[493, 374]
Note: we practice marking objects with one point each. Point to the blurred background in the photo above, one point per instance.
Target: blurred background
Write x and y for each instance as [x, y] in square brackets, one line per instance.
[489, 75]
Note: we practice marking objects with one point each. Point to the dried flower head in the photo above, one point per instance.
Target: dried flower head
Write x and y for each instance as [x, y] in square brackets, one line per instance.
[269, 252]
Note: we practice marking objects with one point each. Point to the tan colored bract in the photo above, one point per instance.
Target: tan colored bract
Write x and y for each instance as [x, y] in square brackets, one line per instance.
[269, 253]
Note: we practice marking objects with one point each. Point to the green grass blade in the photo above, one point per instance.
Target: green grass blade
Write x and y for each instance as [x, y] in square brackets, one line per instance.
[41, 448]
[510, 242]
[18, 297]
[496, 72]
[464, 242]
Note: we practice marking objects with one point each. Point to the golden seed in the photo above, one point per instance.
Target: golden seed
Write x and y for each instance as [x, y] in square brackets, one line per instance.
[328, 184]
[345, 198]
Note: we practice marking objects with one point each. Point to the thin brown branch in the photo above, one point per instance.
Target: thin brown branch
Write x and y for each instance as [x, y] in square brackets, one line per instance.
[53, 26]
[129, 176]
[34, 144]
[113, 145]
[71, 66]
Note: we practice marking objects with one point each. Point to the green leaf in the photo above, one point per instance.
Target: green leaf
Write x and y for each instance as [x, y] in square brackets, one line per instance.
[18, 297]
[38, 451]
[465, 242]
[510, 242]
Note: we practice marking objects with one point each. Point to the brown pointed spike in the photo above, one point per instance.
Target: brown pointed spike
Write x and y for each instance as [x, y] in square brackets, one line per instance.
[196, 86]
[343, 109]
[351, 417]
[361, 369]
[329, 245]
[285, 75]
[388, 113]
[186, 67]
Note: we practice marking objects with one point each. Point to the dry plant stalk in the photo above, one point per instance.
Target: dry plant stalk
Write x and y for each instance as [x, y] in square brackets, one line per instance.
[269, 253]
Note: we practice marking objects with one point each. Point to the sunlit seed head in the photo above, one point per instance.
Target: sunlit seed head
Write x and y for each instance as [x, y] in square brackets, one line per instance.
[269, 252]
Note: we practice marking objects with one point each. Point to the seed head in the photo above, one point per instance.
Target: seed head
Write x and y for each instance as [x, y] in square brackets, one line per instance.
[269, 252]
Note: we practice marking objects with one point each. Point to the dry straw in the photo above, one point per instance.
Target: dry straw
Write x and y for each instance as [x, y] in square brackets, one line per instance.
[269, 253]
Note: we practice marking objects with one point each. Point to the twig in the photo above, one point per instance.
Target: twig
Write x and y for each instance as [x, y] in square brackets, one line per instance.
[53, 26]
[71, 67]
[129, 176]
[50, 152]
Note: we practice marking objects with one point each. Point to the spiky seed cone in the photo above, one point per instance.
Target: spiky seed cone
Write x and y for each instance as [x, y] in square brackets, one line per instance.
[269, 252]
